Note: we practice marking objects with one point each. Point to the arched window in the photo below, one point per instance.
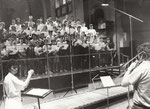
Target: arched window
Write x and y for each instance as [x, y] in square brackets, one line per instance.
[63, 7]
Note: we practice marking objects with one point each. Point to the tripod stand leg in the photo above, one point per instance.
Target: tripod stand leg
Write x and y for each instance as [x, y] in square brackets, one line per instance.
[75, 90]
[69, 90]
[66, 93]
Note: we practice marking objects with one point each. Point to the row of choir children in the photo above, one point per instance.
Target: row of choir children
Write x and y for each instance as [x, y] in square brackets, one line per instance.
[54, 38]
[14, 46]
[53, 31]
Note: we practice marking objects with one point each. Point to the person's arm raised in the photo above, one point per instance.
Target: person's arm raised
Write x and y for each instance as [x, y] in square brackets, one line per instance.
[30, 73]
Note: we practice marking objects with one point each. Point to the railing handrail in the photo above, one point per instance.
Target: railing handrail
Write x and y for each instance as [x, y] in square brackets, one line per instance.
[124, 55]
[68, 55]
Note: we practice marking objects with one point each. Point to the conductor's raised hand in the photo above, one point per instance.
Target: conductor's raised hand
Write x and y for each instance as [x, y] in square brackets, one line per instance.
[30, 72]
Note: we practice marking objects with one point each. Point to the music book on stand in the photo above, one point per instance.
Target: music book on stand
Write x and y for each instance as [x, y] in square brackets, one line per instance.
[107, 81]
[37, 92]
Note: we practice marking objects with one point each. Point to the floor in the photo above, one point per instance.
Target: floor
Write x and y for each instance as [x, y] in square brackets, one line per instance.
[123, 104]
[85, 96]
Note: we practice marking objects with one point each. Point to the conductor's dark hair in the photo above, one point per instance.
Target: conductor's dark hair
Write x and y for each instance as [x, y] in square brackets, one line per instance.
[145, 47]
[13, 63]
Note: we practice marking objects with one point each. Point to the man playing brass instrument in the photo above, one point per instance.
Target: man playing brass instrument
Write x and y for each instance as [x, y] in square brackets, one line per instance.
[138, 75]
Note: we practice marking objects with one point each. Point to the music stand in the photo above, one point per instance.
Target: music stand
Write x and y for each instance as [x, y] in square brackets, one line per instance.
[37, 93]
[107, 83]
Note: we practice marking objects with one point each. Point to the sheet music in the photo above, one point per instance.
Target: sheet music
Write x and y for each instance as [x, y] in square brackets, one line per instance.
[38, 91]
[107, 81]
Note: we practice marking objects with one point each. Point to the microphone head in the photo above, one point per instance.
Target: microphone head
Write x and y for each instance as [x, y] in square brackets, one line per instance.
[104, 4]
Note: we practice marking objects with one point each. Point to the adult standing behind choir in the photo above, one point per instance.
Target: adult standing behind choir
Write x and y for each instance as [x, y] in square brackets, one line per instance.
[2, 31]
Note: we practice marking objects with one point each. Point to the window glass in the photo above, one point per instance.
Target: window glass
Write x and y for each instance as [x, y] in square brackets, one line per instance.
[57, 3]
[64, 2]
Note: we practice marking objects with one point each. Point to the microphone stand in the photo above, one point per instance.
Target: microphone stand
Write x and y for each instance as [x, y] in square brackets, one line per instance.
[131, 37]
[130, 21]
[71, 63]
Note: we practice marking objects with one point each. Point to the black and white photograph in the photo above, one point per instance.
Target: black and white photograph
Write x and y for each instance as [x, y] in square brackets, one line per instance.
[74, 54]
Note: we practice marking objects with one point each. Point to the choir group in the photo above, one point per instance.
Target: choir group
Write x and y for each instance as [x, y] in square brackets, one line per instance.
[62, 45]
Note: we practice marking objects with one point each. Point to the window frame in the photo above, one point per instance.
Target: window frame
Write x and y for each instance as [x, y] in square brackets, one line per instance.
[63, 9]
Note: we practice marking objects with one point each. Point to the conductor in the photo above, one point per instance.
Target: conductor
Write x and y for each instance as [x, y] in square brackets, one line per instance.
[13, 87]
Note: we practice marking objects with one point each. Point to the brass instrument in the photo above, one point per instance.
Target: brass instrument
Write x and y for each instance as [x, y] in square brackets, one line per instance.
[138, 59]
